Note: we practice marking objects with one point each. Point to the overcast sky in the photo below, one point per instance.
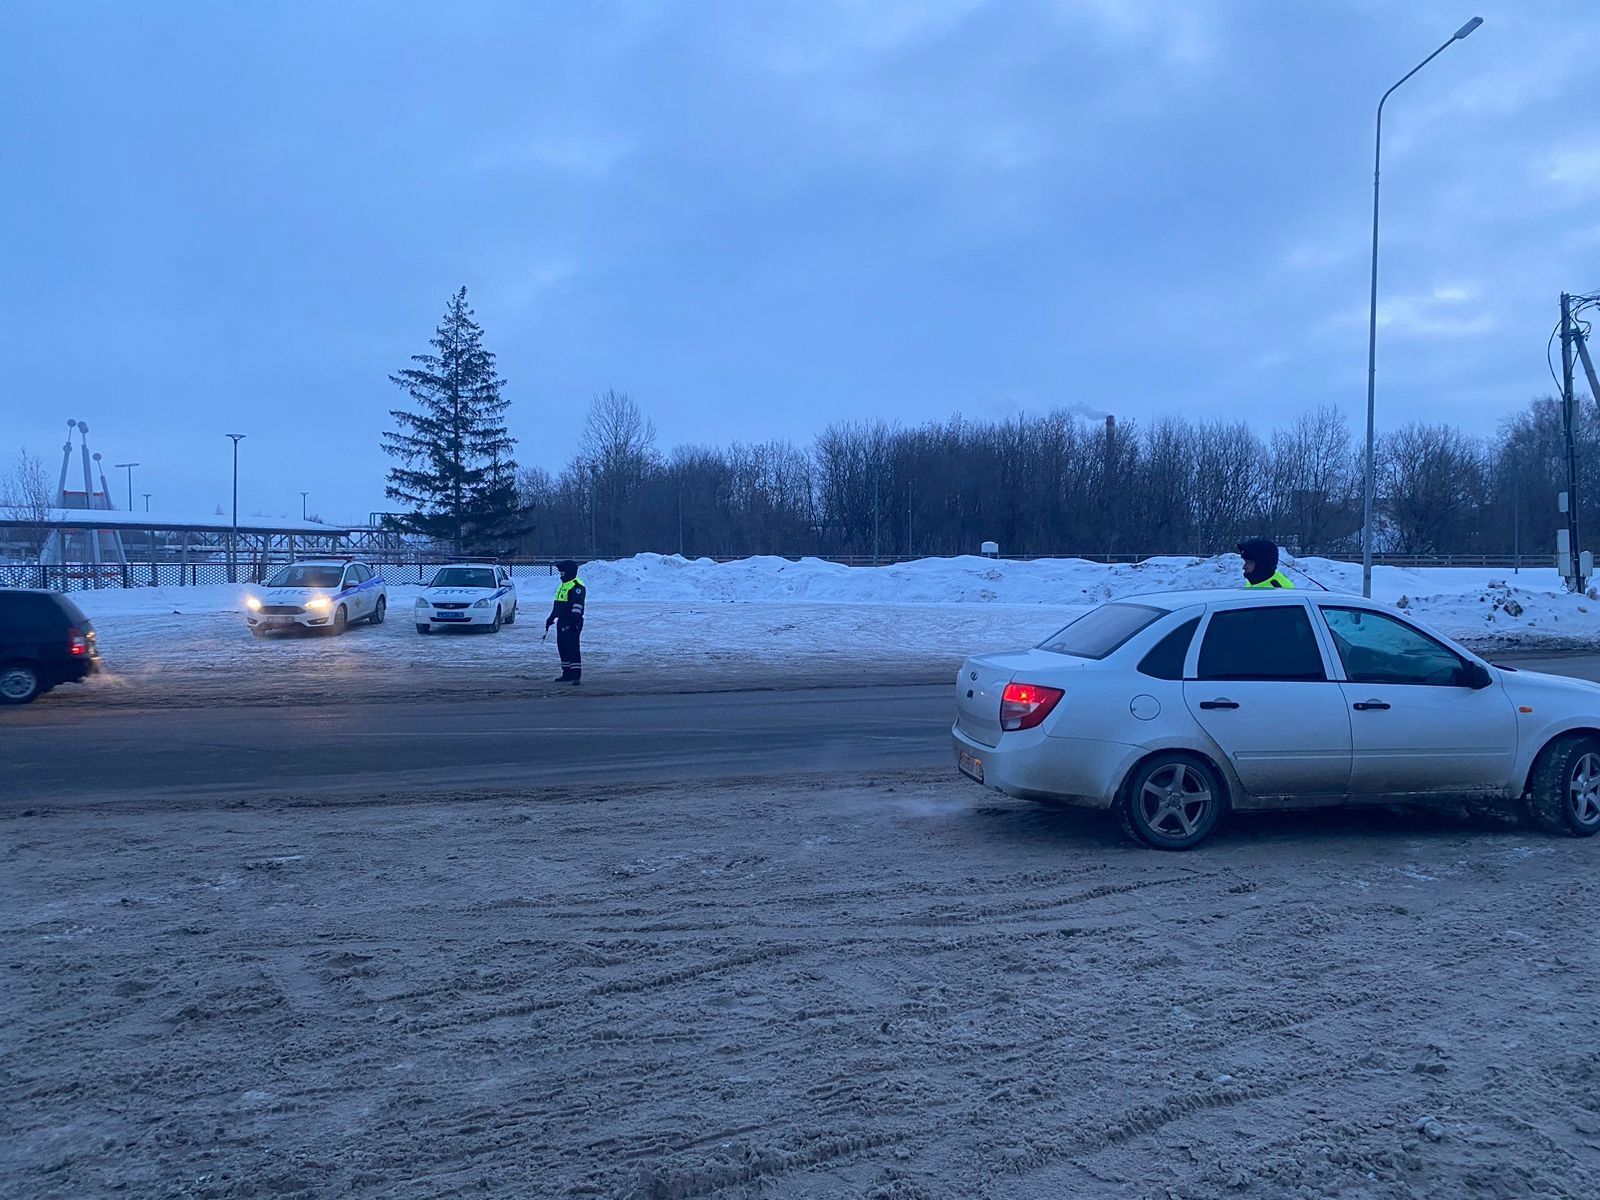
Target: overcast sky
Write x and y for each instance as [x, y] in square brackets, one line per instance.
[757, 218]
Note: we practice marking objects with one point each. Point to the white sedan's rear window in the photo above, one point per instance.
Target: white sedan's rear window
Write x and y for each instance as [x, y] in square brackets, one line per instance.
[1098, 633]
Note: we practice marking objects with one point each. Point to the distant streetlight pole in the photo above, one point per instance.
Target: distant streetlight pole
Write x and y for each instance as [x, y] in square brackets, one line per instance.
[303, 496]
[233, 543]
[129, 468]
[1372, 319]
[151, 534]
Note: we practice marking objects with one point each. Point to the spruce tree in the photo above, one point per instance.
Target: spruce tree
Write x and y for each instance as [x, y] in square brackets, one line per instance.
[456, 469]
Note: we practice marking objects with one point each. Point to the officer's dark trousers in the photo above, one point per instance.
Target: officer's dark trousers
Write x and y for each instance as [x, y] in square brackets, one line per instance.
[567, 635]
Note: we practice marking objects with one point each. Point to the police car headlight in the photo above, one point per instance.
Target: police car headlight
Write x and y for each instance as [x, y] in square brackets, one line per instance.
[252, 603]
[481, 604]
[422, 602]
[317, 604]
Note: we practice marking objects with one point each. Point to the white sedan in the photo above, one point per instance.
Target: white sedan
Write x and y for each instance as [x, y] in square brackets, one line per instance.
[1173, 709]
[328, 594]
[467, 595]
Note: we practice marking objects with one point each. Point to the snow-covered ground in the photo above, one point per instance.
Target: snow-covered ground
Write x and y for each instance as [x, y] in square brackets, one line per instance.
[1465, 602]
[665, 622]
[905, 989]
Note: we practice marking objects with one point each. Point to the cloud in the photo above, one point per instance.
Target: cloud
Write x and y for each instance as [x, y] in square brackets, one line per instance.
[1510, 67]
[1175, 35]
[587, 156]
[838, 33]
[1444, 312]
[1321, 256]
[1576, 169]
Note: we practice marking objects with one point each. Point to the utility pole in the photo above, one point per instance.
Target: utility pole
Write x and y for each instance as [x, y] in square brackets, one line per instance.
[1581, 342]
[233, 541]
[680, 522]
[1569, 419]
[908, 518]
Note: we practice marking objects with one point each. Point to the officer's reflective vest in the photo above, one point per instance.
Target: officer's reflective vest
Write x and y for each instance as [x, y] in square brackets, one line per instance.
[1278, 580]
[567, 603]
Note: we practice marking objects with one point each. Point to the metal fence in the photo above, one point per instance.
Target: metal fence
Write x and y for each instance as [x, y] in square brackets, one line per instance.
[73, 577]
[76, 577]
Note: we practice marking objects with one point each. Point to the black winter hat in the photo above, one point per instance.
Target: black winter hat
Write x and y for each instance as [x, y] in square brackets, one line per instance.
[568, 568]
[1264, 553]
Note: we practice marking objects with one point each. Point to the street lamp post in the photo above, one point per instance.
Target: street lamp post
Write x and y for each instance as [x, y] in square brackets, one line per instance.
[1372, 319]
[303, 496]
[233, 542]
[129, 467]
[151, 534]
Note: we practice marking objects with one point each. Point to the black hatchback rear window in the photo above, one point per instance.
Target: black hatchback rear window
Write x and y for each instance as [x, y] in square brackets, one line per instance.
[37, 610]
[1099, 632]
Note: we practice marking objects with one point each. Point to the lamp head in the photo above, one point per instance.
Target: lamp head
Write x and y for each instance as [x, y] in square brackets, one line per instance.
[1468, 28]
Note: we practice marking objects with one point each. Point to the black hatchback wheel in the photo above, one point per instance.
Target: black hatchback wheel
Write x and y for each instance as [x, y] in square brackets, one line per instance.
[19, 683]
[1173, 802]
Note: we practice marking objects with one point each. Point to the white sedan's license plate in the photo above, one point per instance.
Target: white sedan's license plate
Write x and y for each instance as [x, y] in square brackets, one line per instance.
[971, 766]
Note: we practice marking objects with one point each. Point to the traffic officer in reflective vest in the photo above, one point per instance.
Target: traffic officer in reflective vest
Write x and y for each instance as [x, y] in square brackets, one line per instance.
[566, 614]
[1261, 564]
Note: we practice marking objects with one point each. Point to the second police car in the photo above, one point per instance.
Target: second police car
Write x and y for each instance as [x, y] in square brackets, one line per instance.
[328, 594]
[467, 595]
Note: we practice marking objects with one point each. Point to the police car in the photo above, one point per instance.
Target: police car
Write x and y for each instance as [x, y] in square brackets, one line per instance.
[326, 594]
[467, 594]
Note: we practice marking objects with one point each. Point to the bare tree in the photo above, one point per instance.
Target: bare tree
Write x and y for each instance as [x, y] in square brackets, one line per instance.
[616, 454]
[26, 496]
[1316, 485]
[1431, 478]
[1230, 462]
[1059, 483]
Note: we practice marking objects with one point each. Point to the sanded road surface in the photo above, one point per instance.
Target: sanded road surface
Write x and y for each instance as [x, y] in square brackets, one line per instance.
[74, 752]
[67, 755]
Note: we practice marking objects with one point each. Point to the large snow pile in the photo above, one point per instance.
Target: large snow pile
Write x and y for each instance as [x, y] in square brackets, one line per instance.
[1471, 603]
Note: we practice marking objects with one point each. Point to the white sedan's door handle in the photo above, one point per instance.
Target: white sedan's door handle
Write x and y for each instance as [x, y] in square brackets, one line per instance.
[1369, 705]
[1223, 702]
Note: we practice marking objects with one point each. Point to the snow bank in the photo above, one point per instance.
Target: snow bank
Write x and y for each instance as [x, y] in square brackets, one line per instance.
[1471, 603]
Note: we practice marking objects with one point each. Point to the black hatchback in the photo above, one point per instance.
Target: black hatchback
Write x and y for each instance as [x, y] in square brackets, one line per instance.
[45, 640]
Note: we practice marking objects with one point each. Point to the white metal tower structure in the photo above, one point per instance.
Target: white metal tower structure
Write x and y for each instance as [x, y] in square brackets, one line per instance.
[97, 546]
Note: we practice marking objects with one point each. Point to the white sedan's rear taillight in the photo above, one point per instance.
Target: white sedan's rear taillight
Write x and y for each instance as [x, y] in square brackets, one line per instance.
[1024, 705]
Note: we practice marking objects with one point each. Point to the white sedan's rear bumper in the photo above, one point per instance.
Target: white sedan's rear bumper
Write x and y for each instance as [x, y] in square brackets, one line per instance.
[1031, 765]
